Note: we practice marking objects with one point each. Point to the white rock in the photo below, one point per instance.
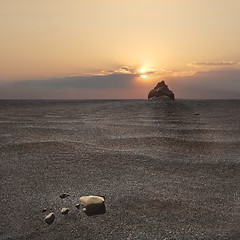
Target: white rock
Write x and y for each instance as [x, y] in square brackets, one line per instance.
[92, 203]
[49, 219]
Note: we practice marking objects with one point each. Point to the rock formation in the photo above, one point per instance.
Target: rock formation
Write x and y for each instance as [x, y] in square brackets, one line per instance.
[161, 91]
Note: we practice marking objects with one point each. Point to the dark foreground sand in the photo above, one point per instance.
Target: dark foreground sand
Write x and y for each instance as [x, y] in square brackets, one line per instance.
[165, 187]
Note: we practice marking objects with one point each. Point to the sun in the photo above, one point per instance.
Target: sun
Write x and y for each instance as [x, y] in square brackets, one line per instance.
[142, 70]
[143, 73]
[146, 74]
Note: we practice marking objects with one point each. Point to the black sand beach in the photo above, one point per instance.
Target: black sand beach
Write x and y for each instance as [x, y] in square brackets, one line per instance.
[165, 172]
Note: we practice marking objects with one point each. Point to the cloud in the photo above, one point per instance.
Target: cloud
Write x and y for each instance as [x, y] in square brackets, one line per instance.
[134, 70]
[126, 70]
[111, 86]
[217, 84]
[121, 70]
[114, 80]
[212, 64]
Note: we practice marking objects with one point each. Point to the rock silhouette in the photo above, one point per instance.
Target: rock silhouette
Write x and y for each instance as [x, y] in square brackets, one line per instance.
[161, 91]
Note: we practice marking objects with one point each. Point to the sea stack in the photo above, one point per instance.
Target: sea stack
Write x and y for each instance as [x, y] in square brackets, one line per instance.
[161, 91]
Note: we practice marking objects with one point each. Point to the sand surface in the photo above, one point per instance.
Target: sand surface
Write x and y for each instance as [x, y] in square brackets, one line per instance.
[165, 172]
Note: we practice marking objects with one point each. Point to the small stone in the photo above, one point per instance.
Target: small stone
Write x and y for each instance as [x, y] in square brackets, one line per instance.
[64, 195]
[65, 211]
[196, 113]
[49, 219]
[93, 204]
[44, 210]
[77, 206]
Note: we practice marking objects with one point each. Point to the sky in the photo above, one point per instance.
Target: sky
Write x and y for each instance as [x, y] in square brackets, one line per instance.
[104, 49]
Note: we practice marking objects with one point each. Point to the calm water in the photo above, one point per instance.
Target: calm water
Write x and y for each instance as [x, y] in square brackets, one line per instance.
[181, 168]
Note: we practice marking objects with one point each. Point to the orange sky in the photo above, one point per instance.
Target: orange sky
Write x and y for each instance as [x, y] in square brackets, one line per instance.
[49, 39]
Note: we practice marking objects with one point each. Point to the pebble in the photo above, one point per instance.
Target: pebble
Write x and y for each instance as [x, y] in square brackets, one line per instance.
[44, 210]
[65, 211]
[64, 195]
[49, 219]
[77, 206]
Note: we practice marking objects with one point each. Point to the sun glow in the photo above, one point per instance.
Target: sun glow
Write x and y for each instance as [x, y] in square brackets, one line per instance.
[144, 76]
[143, 73]
[142, 70]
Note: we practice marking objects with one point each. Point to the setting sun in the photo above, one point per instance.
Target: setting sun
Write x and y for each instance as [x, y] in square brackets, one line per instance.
[142, 70]
[143, 73]
[146, 73]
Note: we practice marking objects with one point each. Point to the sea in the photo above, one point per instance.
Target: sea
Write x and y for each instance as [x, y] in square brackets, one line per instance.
[167, 169]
